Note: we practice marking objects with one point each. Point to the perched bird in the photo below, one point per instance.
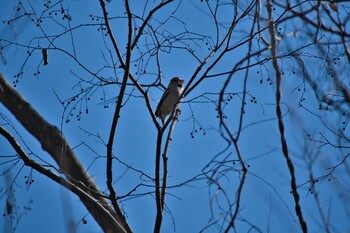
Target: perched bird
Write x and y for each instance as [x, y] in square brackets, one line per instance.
[170, 98]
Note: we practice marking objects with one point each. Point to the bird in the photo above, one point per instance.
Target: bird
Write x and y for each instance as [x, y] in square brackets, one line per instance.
[170, 98]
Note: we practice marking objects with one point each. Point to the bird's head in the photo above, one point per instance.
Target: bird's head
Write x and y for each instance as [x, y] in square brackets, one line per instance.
[177, 81]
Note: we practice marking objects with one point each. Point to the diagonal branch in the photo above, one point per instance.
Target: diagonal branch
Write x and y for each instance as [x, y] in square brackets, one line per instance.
[55, 144]
[60, 180]
[146, 21]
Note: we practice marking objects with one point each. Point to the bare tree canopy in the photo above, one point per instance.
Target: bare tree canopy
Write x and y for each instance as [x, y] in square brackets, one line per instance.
[257, 139]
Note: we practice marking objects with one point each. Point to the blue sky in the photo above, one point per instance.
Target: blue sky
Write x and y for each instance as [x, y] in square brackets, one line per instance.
[266, 201]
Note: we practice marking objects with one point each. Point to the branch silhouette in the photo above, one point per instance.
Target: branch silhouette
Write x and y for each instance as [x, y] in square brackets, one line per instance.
[53, 142]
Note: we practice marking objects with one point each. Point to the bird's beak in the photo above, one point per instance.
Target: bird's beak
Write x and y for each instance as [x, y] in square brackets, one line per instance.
[181, 81]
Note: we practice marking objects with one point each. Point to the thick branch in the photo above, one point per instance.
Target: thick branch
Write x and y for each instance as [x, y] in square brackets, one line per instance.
[60, 180]
[54, 143]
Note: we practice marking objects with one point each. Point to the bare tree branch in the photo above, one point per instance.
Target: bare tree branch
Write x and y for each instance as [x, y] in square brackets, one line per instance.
[54, 143]
[290, 165]
[84, 196]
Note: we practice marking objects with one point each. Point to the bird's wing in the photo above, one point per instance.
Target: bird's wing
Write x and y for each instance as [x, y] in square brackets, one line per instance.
[165, 95]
